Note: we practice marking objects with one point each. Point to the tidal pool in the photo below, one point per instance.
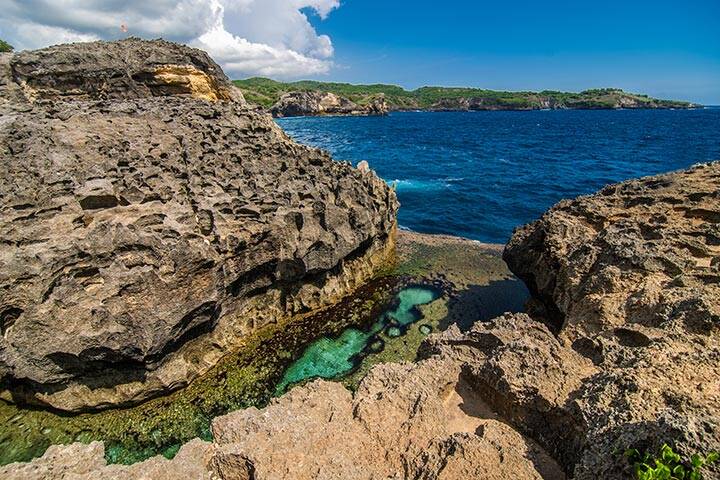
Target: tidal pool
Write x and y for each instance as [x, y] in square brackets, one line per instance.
[385, 320]
[335, 357]
[273, 360]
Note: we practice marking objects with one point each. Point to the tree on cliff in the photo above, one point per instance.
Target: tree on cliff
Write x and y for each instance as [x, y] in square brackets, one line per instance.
[5, 47]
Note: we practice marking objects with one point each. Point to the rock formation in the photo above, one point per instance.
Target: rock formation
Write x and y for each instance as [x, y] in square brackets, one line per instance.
[606, 99]
[623, 352]
[303, 103]
[630, 277]
[150, 219]
[142, 237]
[405, 421]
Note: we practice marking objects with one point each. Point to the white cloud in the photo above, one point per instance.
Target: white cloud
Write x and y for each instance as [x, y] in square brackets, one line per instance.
[247, 37]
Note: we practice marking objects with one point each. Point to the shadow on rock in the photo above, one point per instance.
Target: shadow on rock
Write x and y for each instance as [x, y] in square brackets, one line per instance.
[485, 302]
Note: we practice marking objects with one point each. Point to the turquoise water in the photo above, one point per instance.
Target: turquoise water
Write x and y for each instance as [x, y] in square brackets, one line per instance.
[481, 174]
[335, 357]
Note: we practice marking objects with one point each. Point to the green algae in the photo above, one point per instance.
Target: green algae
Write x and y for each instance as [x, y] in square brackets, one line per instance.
[161, 425]
[251, 376]
[335, 357]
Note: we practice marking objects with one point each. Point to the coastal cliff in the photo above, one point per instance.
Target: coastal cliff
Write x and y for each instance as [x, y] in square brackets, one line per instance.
[150, 220]
[268, 93]
[296, 104]
[619, 350]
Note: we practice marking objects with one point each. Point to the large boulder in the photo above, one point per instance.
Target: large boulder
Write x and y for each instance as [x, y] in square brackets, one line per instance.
[130, 68]
[630, 280]
[150, 220]
[639, 254]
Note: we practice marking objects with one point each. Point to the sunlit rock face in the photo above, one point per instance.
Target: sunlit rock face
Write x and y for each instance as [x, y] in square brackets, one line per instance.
[630, 279]
[127, 69]
[296, 104]
[150, 219]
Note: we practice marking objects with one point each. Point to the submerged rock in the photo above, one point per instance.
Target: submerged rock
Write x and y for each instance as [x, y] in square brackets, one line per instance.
[304, 103]
[150, 219]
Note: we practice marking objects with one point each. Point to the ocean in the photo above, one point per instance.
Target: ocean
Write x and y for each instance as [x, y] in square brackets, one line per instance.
[481, 174]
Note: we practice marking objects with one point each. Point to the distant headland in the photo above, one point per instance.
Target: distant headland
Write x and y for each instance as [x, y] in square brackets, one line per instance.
[309, 97]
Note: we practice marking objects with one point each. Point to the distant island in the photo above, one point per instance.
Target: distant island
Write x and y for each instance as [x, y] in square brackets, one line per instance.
[310, 97]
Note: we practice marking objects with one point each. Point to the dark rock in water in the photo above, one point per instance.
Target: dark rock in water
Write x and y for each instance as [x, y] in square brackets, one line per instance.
[150, 219]
[296, 104]
[425, 329]
[377, 346]
[393, 332]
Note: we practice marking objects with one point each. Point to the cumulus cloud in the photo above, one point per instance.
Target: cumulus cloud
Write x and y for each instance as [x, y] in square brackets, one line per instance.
[247, 37]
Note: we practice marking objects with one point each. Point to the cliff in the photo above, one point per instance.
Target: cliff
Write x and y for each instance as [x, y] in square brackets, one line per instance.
[621, 351]
[295, 104]
[266, 93]
[150, 219]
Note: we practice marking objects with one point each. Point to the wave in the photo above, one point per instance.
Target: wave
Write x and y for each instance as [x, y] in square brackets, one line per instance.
[421, 185]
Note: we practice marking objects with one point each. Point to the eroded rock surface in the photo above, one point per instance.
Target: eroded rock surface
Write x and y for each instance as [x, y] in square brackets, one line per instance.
[126, 69]
[631, 278]
[149, 219]
[419, 421]
[297, 104]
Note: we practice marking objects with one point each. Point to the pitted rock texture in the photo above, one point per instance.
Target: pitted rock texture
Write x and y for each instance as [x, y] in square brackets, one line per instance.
[79, 461]
[406, 421]
[517, 397]
[641, 254]
[297, 104]
[125, 69]
[630, 278]
[143, 236]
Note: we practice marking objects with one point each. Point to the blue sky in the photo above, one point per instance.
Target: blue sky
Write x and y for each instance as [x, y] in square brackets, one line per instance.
[669, 49]
[663, 48]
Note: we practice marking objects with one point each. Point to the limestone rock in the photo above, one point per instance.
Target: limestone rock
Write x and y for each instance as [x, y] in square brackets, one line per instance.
[150, 221]
[630, 279]
[87, 462]
[405, 421]
[640, 254]
[126, 69]
[303, 103]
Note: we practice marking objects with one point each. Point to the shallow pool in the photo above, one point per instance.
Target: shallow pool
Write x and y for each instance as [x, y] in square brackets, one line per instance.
[334, 357]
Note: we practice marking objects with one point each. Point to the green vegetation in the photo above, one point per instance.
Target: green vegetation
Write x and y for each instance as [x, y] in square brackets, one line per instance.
[5, 47]
[265, 92]
[668, 465]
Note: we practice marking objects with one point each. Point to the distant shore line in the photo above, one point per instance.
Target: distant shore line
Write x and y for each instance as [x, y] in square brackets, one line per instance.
[311, 98]
[332, 115]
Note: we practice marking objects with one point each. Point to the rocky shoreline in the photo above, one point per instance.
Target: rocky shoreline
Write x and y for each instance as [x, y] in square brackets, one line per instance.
[216, 229]
[316, 104]
[151, 219]
[508, 397]
[302, 104]
[472, 277]
[311, 98]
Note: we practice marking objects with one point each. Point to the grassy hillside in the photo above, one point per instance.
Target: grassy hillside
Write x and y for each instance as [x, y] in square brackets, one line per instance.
[265, 92]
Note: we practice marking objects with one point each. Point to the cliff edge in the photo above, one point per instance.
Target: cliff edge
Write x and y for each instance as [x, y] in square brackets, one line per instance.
[150, 219]
[297, 104]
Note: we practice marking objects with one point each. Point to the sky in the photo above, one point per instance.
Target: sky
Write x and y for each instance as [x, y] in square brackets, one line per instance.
[668, 49]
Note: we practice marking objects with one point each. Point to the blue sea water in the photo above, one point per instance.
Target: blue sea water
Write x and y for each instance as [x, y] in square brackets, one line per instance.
[481, 174]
